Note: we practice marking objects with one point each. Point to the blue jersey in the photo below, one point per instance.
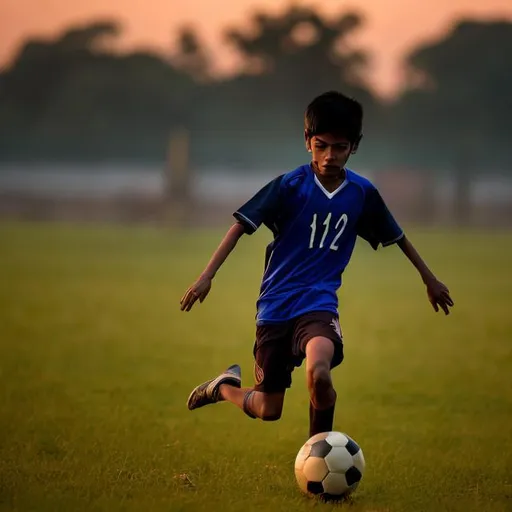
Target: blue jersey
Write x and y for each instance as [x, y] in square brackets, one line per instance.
[315, 233]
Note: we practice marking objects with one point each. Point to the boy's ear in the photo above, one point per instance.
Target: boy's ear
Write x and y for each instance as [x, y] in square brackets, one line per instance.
[307, 139]
[356, 144]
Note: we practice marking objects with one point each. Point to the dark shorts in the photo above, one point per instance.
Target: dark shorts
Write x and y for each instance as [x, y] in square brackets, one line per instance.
[281, 347]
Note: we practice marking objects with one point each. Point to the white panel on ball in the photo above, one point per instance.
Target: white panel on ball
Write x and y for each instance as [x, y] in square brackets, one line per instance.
[302, 456]
[318, 437]
[337, 439]
[339, 460]
[302, 481]
[335, 484]
[359, 461]
[315, 469]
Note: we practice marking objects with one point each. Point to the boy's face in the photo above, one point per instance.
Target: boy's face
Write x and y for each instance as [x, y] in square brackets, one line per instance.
[329, 152]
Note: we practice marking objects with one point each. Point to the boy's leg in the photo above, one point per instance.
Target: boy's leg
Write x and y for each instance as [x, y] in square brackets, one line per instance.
[256, 404]
[318, 340]
[272, 373]
[319, 354]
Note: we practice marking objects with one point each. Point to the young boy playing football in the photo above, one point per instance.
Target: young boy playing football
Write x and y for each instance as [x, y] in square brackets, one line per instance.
[315, 213]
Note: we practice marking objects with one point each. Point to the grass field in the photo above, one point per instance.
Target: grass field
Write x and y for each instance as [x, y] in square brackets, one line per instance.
[96, 363]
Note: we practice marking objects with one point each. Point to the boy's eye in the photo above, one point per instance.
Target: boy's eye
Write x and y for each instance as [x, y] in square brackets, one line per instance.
[337, 147]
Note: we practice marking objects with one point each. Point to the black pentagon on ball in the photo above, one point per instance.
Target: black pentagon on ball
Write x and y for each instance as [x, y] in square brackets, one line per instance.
[352, 447]
[353, 475]
[320, 449]
[315, 487]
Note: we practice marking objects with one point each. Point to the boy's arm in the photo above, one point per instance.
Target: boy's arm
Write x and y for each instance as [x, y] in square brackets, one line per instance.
[262, 207]
[201, 288]
[438, 293]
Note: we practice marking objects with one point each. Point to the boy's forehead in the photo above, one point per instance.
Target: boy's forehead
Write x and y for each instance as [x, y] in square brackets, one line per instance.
[330, 138]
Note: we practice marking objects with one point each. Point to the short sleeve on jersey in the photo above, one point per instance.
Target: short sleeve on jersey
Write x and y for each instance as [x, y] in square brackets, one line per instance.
[262, 208]
[376, 224]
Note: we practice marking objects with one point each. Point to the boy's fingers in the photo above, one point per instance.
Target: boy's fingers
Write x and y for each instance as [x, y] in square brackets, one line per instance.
[185, 301]
[193, 296]
[448, 299]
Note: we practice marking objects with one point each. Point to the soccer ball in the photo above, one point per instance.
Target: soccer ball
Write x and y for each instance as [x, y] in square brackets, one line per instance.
[329, 465]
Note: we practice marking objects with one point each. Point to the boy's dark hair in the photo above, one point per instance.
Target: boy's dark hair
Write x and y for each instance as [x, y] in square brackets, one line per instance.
[333, 112]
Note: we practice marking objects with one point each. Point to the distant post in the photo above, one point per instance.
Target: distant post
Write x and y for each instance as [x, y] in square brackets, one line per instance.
[178, 179]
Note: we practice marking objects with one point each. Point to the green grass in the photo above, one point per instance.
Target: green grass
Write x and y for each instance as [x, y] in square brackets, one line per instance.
[96, 363]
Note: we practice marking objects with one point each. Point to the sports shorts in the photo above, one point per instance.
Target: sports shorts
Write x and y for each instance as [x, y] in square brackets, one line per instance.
[281, 347]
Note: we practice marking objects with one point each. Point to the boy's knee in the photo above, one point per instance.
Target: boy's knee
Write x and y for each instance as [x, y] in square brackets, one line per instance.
[321, 392]
[271, 411]
[319, 377]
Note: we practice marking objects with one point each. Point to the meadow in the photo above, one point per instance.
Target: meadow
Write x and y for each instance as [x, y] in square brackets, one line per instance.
[97, 361]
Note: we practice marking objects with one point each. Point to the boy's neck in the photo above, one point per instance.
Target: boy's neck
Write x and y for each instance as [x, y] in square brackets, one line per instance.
[330, 182]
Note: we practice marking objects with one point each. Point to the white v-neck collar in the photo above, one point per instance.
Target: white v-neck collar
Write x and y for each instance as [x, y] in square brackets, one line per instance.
[330, 195]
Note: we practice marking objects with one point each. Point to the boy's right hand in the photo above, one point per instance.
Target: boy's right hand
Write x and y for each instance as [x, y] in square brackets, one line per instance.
[199, 290]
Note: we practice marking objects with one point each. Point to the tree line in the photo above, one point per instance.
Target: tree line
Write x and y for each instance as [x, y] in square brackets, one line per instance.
[73, 99]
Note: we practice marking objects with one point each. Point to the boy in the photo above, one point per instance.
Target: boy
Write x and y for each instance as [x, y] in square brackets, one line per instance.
[316, 213]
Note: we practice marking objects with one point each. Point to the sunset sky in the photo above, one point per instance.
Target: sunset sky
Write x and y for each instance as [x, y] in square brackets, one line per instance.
[391, 28]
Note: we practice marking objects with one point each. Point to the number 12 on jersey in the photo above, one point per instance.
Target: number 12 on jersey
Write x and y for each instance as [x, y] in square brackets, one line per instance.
[339, 228]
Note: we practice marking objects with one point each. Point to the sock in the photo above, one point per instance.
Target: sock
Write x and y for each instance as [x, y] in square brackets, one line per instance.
[245, 407]
[320, 420]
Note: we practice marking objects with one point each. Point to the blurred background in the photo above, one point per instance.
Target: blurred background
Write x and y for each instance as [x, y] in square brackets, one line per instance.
[165, 112]
[126, 123]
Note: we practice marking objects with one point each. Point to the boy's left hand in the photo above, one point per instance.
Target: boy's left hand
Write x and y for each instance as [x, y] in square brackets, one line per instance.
[439, 296]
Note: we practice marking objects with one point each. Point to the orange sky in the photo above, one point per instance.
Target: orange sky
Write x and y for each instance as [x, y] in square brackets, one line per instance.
[391, 27]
